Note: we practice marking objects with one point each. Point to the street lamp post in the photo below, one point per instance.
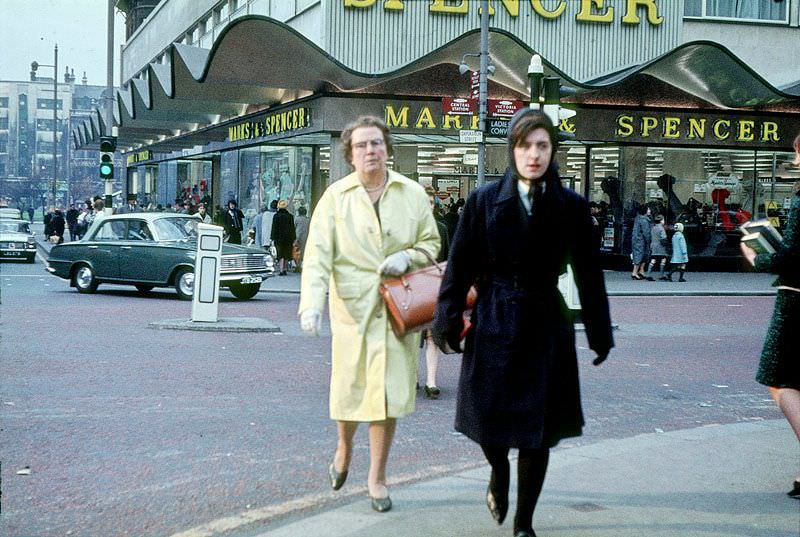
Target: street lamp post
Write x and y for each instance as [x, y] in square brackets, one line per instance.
[34, 67]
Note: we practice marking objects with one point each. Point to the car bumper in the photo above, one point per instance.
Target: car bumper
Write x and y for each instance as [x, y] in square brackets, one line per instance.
[17, 253]
[244, 278]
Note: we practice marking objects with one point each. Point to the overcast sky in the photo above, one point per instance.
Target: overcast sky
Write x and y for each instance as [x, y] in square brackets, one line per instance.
[30, 28]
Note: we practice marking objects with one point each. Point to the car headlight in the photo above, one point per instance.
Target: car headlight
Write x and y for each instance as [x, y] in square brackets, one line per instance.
[31, 242]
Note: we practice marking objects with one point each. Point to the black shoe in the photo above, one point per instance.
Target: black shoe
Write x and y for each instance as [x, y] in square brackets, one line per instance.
[523, 533]
[681, 280]
[664, 279]
[795, 492]
[381, 505]
[649, 278]
[282, 273]
[337, 479]
[432, 392]
[498, 509]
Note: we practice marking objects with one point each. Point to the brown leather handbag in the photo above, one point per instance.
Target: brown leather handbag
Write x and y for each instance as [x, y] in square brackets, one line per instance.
[411, 299]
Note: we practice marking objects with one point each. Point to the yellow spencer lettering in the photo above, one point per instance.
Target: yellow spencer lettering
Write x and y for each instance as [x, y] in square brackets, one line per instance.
[512, 7]
[769, 132]
[475, 120]
[393, 4]
[746, 130]
[426, 117]
[548, 14]
[624, 125]
[631, 16]
[231, 137]
[395, 119]
[697, 128]
[719, 134]
[439, 6]
[648, 123]
[671, 125]
[301, 118]
[359, 3]
[586, 15]
[294, 118]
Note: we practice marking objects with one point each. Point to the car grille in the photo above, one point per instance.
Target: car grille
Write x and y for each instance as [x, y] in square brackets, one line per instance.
[233, 263]
[15, 245]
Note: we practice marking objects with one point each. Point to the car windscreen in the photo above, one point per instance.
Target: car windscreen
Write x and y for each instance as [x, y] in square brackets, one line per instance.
[171, 229]
[14, 227]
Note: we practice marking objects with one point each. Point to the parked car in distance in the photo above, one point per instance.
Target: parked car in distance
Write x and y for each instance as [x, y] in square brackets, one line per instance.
[8, 212]
[150, 250]
[16, 240]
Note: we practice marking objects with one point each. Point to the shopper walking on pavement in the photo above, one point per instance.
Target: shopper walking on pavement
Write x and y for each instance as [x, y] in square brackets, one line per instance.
[72, 222]
[640, 243]
[431, 387]
[233, 222]
[779, 368]
[57, 226]
[680, 254]
[519, 383]
[658, 249]
[301, 234]
[366, 225]
[283, 235]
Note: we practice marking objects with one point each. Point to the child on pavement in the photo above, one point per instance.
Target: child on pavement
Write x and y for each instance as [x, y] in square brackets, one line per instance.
[680, 255]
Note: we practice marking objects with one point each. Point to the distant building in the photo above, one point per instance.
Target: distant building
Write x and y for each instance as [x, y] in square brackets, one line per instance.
[26, 140]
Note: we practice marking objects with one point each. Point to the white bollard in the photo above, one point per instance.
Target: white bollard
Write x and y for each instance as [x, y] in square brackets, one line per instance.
[207, 265]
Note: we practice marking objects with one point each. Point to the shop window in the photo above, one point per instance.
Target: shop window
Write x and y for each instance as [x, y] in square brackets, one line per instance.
[752, 10]
[274, 173]
[3, 102]
[4, 123]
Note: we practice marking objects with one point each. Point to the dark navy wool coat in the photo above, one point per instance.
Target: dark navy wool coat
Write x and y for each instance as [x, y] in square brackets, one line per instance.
[519, 382]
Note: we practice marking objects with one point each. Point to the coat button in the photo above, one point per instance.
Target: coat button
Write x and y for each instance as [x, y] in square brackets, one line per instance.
[388, 233]
[378, 315]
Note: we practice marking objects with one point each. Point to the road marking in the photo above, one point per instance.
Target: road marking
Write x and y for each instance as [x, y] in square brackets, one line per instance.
[264, 514]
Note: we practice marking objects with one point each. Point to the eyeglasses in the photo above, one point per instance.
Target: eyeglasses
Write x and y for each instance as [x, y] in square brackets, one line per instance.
[376, 143]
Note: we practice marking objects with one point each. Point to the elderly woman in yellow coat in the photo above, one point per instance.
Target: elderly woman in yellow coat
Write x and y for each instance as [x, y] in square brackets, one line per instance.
[367, 226]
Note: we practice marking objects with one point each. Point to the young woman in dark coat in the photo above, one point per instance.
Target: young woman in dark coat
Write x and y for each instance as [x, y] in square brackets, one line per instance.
[519, 385]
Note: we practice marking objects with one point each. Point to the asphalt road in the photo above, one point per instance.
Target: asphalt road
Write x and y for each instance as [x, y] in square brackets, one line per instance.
[129, 431]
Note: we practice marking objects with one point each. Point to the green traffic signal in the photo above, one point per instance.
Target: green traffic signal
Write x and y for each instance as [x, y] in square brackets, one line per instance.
[106, 167]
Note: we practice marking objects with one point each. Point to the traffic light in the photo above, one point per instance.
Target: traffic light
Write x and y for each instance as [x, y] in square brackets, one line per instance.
[108, 144]
[546, 94]
[551, 106]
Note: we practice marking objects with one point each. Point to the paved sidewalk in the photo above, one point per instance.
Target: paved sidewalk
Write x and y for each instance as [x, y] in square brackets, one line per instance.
[716, 481]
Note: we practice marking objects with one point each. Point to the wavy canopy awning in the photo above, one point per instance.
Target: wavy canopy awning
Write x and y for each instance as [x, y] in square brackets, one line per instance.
[258, 62]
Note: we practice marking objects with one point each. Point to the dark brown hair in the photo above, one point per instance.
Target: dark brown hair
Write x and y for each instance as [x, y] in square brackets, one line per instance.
[525, 123]
[364, 121]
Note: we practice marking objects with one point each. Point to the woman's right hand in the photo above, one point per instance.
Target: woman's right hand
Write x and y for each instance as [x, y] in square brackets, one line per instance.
[748, 253]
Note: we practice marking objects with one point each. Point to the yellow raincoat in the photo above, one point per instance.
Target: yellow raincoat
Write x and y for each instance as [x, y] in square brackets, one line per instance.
[373, 373]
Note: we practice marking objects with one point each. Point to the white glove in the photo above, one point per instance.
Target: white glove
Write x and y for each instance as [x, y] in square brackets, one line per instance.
[396, 264]
[311, 321]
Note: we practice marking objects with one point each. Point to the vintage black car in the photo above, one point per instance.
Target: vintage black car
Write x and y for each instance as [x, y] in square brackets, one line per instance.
[16, 240]
[150, 250]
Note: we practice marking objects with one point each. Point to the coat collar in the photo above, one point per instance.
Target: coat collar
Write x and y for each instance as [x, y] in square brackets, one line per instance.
[352, 181]
[508, 187]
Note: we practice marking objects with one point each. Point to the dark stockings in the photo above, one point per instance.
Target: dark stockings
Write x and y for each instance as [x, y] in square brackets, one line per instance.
[531, 469]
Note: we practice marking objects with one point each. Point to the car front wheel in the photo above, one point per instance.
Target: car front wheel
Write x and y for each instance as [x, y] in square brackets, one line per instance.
[184, 284]
[245, 291]
[85, 280]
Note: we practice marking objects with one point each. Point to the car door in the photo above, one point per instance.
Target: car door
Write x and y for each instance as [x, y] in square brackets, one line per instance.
[103, 249]
[138, 253]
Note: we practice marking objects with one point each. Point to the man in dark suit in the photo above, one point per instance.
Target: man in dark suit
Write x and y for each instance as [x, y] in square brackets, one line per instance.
[131, 207]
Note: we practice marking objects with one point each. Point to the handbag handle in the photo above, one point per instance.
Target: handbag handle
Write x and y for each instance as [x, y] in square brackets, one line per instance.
[430, 258]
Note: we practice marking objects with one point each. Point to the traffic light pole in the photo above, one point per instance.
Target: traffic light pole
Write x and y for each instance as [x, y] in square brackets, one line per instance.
[109, 183]
[483, 91]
